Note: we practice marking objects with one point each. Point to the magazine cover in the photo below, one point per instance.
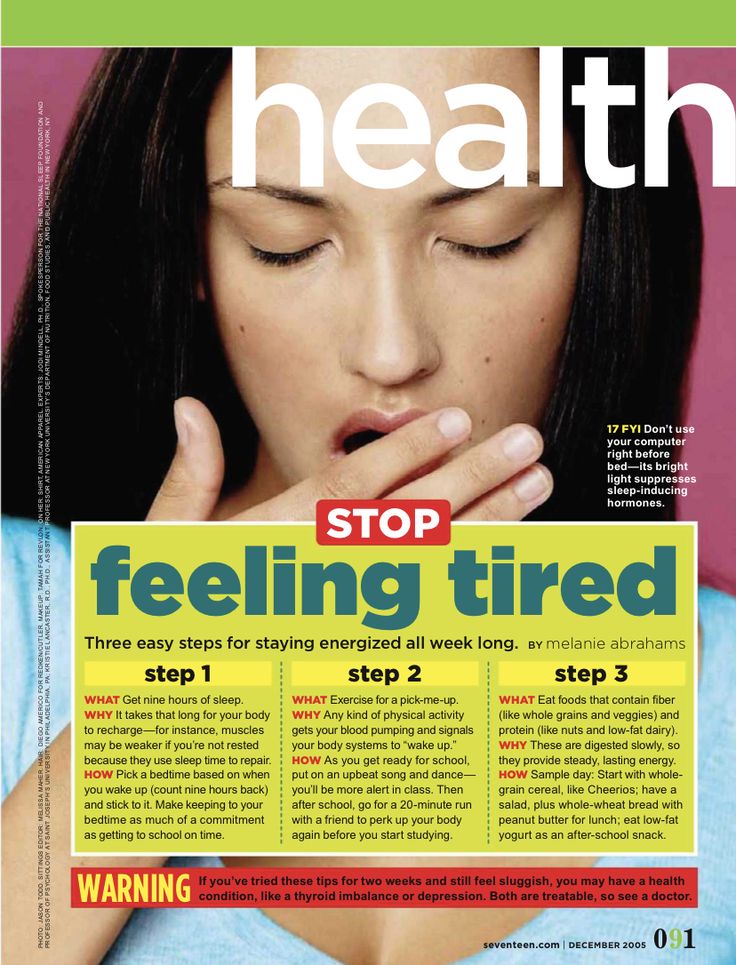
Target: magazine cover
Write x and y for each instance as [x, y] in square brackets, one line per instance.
[368, 508]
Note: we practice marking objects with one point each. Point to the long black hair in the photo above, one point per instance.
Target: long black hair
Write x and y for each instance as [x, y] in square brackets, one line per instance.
[128, 334]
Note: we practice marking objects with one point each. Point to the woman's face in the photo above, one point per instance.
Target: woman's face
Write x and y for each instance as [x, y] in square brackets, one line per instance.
[346, 310]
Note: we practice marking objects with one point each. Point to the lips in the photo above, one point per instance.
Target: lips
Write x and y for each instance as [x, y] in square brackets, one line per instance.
[367, 425]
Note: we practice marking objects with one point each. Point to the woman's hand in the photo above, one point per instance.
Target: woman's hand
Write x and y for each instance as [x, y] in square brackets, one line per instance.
[497, 479]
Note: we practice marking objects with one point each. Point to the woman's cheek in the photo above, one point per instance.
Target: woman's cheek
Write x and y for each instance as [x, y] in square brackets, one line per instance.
[277, 354]
[504, 356]
[261, 349]
[263, 322]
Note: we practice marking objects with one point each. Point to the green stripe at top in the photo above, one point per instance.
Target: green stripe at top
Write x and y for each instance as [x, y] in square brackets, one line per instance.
[31, 23]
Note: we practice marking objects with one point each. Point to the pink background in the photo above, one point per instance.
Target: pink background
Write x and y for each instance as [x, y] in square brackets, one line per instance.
[56, 76]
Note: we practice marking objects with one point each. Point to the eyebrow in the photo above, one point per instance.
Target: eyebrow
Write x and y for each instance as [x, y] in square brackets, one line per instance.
[460, 194]
[283, 193]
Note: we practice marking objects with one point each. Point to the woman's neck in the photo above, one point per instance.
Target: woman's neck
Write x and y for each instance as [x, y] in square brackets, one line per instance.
[265, 483]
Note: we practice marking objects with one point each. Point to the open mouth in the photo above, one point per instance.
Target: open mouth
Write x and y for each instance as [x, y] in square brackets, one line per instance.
[357, 440]
[367, 426]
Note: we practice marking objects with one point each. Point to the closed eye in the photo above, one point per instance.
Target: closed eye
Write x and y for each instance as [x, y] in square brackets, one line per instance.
[285, 258]
[489, 251]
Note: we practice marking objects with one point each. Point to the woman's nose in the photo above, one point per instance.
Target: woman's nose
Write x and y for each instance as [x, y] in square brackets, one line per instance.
[390, 342]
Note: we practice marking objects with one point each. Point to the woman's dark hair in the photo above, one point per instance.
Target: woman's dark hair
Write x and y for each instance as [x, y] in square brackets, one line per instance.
[128, 334]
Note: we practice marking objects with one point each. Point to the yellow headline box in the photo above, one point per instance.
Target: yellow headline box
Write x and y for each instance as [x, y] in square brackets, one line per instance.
[241, 689]
[641, 673]
[230, 674]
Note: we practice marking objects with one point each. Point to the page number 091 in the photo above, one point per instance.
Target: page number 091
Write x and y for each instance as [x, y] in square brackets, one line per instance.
[674, 938]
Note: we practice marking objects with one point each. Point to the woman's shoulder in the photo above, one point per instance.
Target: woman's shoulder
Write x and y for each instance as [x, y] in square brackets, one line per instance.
[716, 712]
[35, 640]
[26, 542]
[717, 612]
[35, 577]
[717, 609]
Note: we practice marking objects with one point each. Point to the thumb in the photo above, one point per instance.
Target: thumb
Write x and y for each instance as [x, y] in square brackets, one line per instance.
[192, 484]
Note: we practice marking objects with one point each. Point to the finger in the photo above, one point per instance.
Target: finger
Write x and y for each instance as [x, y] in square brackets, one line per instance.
[479, 470]
[192, 484]
[514, 499]
[369, 472]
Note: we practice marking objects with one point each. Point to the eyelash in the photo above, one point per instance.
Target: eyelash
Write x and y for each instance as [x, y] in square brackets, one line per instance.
[490, 251]
[285, 259]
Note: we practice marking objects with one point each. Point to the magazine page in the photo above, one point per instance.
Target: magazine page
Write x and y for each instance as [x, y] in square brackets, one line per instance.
[368, 507]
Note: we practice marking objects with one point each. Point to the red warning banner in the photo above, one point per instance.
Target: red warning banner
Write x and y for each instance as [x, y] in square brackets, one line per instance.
[384, 887]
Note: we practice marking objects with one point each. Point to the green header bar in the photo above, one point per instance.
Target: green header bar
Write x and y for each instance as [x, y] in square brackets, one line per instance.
[149, 23]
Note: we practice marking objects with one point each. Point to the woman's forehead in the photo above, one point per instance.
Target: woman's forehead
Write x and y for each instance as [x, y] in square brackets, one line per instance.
[332, 74]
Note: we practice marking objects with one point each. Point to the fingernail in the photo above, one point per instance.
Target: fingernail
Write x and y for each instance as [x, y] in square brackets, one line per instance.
[453, 423]
[533, 484]
[520, 443]
[182, 425]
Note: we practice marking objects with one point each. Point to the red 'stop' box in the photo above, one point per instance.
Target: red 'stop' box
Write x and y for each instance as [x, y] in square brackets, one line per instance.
[383, 522]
